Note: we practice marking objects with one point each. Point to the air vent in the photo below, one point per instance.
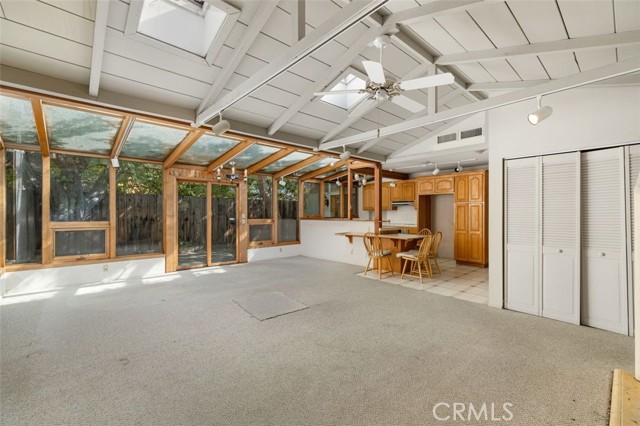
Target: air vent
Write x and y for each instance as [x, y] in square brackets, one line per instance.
[447, 138]
[465, 134]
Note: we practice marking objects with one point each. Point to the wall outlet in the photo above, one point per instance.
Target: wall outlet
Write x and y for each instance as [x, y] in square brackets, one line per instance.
[280, 249]
[105, 268]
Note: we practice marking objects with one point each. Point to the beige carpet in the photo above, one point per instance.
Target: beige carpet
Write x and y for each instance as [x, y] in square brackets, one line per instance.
[181, 352]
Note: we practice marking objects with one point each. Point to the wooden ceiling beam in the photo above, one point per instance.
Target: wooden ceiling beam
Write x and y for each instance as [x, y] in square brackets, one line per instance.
[322, 170]
[122, 135]
[299, 165]
[269, 160]
[183, 147]
[41, 127]
[229, 155]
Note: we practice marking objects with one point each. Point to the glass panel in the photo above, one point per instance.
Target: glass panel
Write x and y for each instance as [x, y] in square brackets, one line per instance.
[192, 224]
[354, 200]
[76, 243]
[311, 199]
[75, 130]
[206, 149]
[314, 166]
[332, 200]
[79, 188]
[289, 160]
[151, 142]
[331, 172]
[223, 226]
[288, 211]
[253, 154]
[17, 124]
[139, 207]
[24, 206]
[259, 195]
[260, 232]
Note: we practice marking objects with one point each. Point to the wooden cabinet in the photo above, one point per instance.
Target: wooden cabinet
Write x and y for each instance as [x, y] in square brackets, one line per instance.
[435, 185]
[470, 218]
[425, 185]
[444, 185]
[404, 190]
[368, 197]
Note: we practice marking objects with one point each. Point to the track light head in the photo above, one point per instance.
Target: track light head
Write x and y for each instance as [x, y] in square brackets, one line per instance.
[356, 176]
[459, 168]
[540, 114]
[221, 127]
[282, 182]
[364, 181]
[115, 163]
[345, 155]
[338, 182]
[436, 170]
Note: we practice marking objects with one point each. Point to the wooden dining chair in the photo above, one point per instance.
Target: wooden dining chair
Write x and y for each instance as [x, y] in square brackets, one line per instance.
[418, 260]
[433, 252]
[425, 231]
[373, 245]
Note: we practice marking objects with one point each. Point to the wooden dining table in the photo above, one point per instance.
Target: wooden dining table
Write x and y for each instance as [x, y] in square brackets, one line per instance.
[398, 243]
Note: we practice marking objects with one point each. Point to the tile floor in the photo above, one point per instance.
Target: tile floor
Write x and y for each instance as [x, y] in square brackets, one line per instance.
[459, 281]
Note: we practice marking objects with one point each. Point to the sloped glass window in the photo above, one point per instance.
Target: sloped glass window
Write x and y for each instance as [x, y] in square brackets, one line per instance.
[79, 189]
[76, 130]
[289, 160]
[207, 149]
[23, 174]
[253, 154]
[151, 141]
[346, 100]
[17, 124]
[315, 166]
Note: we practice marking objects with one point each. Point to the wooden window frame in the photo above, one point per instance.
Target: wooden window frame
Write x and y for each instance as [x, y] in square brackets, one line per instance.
[79, 226]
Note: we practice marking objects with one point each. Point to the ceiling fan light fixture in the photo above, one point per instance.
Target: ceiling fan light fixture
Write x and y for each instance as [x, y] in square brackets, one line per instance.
[541, 113]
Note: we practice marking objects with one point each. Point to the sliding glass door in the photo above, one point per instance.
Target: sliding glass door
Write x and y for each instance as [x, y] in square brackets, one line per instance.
[223, 224]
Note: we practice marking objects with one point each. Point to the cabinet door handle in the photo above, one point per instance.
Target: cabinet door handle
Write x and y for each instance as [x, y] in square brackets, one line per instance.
[601, 253]
[559, 250]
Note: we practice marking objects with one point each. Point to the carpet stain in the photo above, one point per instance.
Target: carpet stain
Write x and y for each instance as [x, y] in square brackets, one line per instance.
[123, 361]
[34, 354]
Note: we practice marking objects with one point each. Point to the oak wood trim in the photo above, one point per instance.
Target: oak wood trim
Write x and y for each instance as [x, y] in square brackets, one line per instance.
[299, 165]
[242, 224]
[183, 147]
[41, 127]
[3, 208]
[274, 211]
[72, 226]
[209, 225]
[1, 143]
[36, 266]
[47, 233]
[170, 217]
[349, 190]
[269, 160]
[229, 155]
[113, 216]
[122, 135]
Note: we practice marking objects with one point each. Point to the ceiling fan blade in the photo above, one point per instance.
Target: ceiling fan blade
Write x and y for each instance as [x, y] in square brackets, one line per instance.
[375, 72]
[359, 109]
[339, 92]
[407, 103]
[429, 81]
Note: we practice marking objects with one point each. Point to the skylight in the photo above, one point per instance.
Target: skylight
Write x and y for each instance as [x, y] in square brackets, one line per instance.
[346, 101]
[189, 25]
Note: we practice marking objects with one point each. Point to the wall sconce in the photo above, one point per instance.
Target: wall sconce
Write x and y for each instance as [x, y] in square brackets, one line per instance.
[541, 113]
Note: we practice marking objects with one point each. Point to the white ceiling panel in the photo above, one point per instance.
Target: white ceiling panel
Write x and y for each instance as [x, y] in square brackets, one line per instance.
[627, 15]
[587, 17]
[475, 72]
[273, 94]
[50, 19]
[627, 52]
[560, 64]
[465, 31]
[137, 71]
[291, 82]
[249, 65]
[241, 115]
[237, 33]
[319, 11]
[311, 122]
[32, 40]
[258, 106]
[457, 102]
[234, 81]
[589, 59]
[324, 109]
[266, 48]
[540, 20]
[84, 8]
[33, 62]
[437, 37]
[528, 67]
[330, 52]
[310, 68]
[279, 27]
[247, 9]
[500, 70]
[117, 15]
[156, 94]
[120, 45]
[350, 36]
[302, 131]
[499, 24]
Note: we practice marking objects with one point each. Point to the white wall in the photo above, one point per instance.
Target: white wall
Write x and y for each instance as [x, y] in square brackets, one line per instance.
[267, 253]
[582, 118]
[41, 280]
[318, 240]
[402, 215]
[442, 220]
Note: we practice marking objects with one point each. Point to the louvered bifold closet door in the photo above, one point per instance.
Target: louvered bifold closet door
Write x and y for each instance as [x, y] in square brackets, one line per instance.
[522, 230]
[560, 242]
[634, 171]
[604, 271]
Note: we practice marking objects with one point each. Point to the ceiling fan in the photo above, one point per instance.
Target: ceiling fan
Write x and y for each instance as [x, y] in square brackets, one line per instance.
[378, 87]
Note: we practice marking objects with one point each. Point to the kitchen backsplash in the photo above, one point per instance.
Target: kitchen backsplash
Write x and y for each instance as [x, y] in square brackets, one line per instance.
[404, 215]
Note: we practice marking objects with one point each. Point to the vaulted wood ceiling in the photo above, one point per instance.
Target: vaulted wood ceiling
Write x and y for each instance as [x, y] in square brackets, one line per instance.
[500, 52]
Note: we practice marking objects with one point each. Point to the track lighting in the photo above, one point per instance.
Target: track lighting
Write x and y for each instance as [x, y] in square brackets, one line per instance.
[364, 181]
[436, 170]
[333, 162]
[459, 168]
[221, 127]
[115, 163]
[540, 114]
[345, 154]
[393, 184]
[338, 182]
[282, 182]
[356, 176]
